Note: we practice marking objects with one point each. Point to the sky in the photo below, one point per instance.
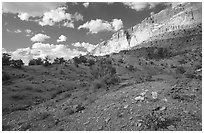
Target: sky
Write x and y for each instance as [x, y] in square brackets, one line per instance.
[40, 29]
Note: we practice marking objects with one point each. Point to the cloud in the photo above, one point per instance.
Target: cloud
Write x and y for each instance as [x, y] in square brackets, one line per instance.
[28, 31]
[117, 24]
[53, 16]
[24, 16]
[39, 38]
[58, 15]
[4, 50]
[68, 24]
[86, 4]
[62, 38]
[139, 6]
[77, 16]
[89, 47]
[17, 31]
[32, 8]
[98, 25]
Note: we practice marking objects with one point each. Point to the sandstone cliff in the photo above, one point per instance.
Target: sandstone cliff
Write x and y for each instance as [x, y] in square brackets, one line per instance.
[173, 19]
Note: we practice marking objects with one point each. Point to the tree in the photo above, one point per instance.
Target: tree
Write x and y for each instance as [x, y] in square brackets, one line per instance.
[46, 61]
[16, 63]
[6, 59]
[38, 61]
[83, 59]
[59, 60]
[32, 62]
[76, 61]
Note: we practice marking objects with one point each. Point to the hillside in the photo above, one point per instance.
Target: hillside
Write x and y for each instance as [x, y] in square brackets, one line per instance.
[156, 88]
[163, 25]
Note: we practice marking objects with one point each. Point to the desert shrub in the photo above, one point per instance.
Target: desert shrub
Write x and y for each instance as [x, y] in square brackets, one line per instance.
[76, 61]
[28, 87]
[180, 70]
[156, 121]
[5, 76]
[59, 60]
[104, 74]
[82, 59]
[130, 67]
[16, 63]
[46, 63]
[38, 61]
[121, 60]
[190, 74]
[6, 59]
[32, 62]
[91, 62]
[18, 96]
[97, 84]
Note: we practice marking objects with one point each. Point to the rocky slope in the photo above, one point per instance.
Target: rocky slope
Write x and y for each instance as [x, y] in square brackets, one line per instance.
[156, 27]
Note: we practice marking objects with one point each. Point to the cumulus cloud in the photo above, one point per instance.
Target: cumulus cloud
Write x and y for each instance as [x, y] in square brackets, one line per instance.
[58, 15]
[89, 47]
[77, 16]
[32, 8]
[62, 38]
[39, 37]
[4, 50]
[28, 31]
[42, 50]
[117, 24]
[14, 31]
[53, 16]
[86, 4]
[17, 31]
[98, 25]
[24, 16]
[139, 6]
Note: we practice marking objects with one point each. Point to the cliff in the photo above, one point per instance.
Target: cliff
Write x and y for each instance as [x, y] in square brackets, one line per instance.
[173, 19]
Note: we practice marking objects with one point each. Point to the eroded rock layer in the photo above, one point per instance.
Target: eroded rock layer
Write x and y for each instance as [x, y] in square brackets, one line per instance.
[169, 23]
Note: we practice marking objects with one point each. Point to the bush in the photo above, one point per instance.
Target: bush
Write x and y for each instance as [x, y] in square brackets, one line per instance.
[6, 59]
[130, 67]
[32, 62]
[59, 61]
[46, 62]
[38, 61]
[97, 84]
[180, 70]
[5, 76]
[121, 60]
[16, 63]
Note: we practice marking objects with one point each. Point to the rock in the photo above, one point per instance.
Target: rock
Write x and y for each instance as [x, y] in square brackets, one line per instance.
[107, 119]
[139, 98]
[100, 127]
[126, 106]
[154, 95]
[165, 100]
[139, 124]
[143, 93]
[86, 123]
[130, 118]
[171, 127]
[163, 108]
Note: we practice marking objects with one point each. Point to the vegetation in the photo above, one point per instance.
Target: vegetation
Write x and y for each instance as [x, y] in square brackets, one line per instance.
[6, 59]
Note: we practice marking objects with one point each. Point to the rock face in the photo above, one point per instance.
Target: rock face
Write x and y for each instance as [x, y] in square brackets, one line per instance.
[173, 19]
